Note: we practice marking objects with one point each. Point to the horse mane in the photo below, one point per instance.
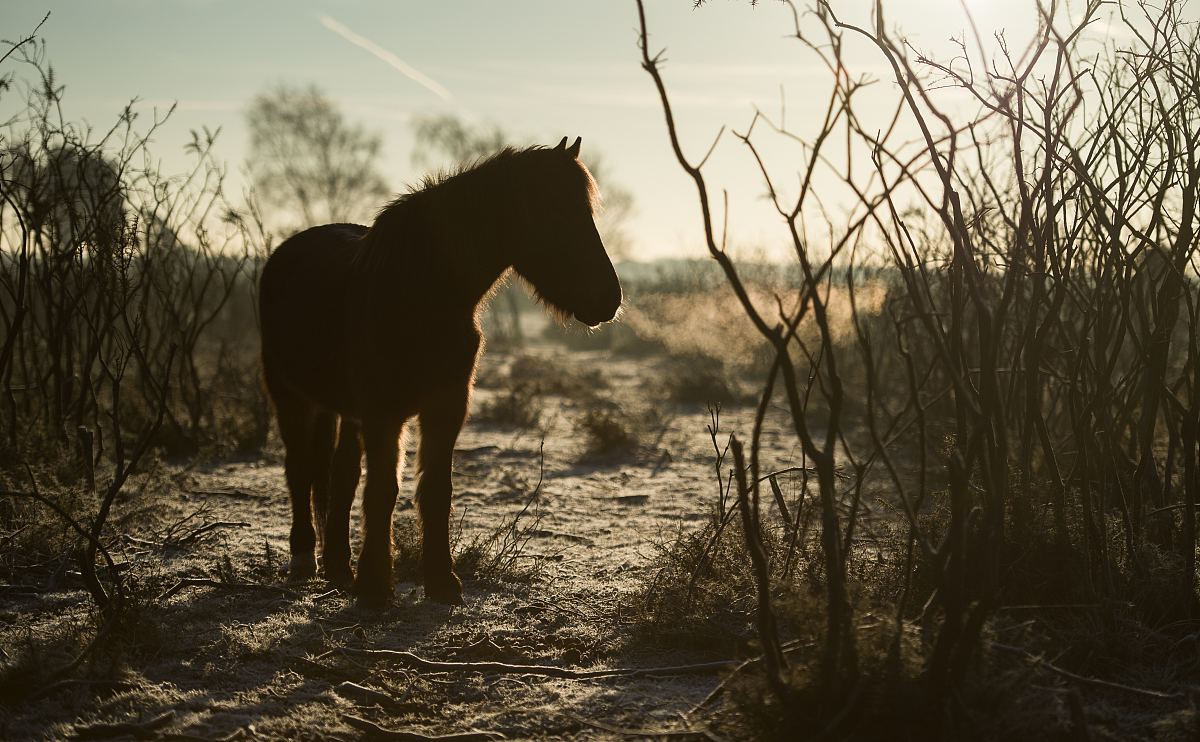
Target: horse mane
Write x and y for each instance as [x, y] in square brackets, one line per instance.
[502, 160]
[486, 177]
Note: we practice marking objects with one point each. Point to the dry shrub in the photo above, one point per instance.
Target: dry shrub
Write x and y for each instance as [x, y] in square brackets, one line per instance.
[123, 288]
[35, 548]
[607, 429]
[1041, 326]
[701, 591]
[406, 543]
[517, 406]
[499, 556]
[553, 376]
[699, 379]
[519, 401]
[494, 556]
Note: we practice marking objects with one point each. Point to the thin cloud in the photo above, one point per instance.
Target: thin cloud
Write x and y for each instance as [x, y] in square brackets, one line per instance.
[399, 64]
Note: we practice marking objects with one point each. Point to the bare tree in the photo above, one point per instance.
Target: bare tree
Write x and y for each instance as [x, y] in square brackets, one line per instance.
[448, 136]
[309, 161]
[1042, 264]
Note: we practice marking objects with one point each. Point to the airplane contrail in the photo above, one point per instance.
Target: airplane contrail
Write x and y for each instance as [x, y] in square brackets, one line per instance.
[401, 66]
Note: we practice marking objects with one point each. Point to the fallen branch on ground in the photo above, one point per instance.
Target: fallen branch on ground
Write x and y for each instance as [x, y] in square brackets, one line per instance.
[195, 535]
[184, 737]
[237, 494]
[1083, 679]
[504, 668]
[187, 582]
[190, 539]
[76, 682]
[139, 729]
[143, 542]
[640, 732]
[378, 732]
[789, 646]
[327, 595]
[363, 695]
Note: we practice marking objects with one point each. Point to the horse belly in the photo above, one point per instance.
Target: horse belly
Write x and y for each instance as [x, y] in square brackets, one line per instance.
[395, 372]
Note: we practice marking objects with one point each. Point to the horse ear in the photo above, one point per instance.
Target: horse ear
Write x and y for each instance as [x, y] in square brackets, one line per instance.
[562, 144]
[574, 148]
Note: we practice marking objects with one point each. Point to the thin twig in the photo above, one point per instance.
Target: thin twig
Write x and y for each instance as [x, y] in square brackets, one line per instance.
[788, 646]
[377, 732]
[1083, 679]
[363, 695]
[206, 582]
[236, 734]
[76, 682]
[237, 494]
[504, 668]
[32, 35]
[205, 529]
[640, 732]
[139, 729]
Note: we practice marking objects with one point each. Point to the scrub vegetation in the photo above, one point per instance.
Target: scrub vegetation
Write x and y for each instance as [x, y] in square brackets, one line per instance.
[934, 478]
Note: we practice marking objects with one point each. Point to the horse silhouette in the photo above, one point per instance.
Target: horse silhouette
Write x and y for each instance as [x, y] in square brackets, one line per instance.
[364, 328]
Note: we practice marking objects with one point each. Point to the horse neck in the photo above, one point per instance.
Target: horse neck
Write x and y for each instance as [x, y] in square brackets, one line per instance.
[455, 240]
[475, 245]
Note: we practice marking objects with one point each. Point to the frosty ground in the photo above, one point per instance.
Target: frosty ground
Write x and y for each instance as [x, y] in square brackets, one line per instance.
[555, 540]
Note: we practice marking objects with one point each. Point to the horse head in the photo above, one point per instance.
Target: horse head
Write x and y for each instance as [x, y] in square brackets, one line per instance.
[560, 253]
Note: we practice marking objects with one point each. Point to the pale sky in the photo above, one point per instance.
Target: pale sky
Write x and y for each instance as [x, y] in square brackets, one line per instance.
[541, 69]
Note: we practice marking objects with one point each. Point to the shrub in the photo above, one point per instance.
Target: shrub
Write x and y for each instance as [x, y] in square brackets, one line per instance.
[607, 430]
[699, 379]
[517, 406]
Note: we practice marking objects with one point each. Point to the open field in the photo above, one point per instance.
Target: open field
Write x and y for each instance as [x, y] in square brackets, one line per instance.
[914, 454]
[566, 575]
[562, 587]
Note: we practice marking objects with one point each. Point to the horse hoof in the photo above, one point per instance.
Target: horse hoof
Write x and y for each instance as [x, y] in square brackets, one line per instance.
[342, 578]
[301, 569]
[371, 596]
[372, 602]
[445, 591]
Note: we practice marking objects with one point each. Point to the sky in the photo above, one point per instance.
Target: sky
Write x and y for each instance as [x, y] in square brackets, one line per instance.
[541, 69]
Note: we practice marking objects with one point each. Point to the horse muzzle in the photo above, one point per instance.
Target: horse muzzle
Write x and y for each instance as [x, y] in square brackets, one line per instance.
[597, 313]
[595, 318]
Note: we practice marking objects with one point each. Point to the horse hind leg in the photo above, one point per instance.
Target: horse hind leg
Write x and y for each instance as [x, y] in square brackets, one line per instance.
[297, 421]
[373, 582]
[347, 469]
[324, 437]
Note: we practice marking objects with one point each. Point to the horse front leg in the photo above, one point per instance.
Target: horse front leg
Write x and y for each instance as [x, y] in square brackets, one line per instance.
[324, 437]
[373, 583]
[347, 468]
[441, 420]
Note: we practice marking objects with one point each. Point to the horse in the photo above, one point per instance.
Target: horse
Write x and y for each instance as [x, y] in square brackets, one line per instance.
[365, 328]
